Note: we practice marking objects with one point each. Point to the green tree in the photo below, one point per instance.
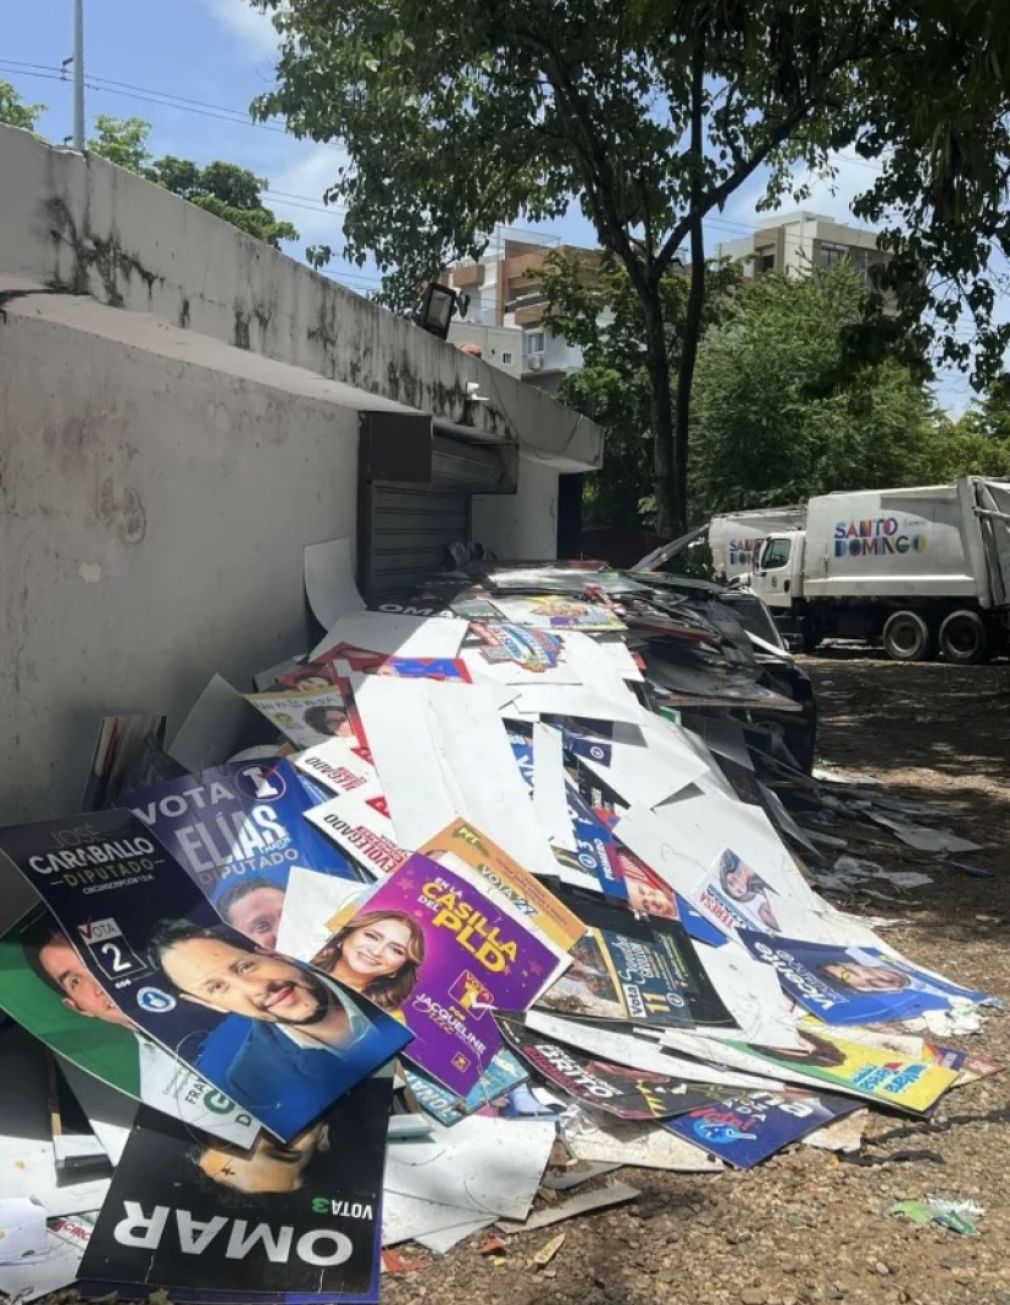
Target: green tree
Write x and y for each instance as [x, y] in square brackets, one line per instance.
[596, 308]
[460, 114]
[224, 189]
[13, 110]
[792, 399]
[122, 141]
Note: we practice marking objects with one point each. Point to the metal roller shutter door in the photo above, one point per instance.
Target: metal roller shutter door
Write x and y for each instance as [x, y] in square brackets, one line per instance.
[414, 499]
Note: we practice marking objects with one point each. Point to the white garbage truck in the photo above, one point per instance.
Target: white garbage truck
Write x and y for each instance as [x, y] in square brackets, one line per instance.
[921, 570]
[734, 538]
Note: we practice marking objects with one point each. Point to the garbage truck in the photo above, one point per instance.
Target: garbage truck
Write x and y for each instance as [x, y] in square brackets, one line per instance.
[921, 570]
[735, 538]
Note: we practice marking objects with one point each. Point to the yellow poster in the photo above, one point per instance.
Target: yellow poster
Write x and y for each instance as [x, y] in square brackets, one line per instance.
[527, 897]
[891, 1077]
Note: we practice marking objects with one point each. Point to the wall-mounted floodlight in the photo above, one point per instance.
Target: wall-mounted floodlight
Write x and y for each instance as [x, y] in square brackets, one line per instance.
[436, 309]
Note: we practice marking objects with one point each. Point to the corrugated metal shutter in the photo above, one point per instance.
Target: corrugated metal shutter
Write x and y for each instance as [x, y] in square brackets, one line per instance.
[414, 502]
[410, 528]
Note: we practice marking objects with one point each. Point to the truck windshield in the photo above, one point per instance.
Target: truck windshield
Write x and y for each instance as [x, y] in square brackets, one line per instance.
[776, 554]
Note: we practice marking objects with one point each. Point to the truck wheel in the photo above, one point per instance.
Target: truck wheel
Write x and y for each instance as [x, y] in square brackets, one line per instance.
[907, 637]
[809, 635]
[964, 638]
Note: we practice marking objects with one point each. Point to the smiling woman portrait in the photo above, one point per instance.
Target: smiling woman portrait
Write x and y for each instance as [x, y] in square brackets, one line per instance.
[377, 954]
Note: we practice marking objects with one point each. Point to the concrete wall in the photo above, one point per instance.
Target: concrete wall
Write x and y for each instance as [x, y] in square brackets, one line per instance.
[80, 224]
[152, 520]
[523, 525]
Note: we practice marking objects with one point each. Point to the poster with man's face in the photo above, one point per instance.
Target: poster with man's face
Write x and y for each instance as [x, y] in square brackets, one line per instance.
[290, 1221]
[854, 985]
[238, 829]
[46, 987]
[279, 1038]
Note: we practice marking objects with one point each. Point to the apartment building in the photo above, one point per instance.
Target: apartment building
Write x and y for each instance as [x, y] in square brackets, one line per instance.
[798, 242]
[505, 311]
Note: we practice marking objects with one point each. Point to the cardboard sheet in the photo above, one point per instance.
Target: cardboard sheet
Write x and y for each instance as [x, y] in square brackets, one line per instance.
[381, 632]
[330, 586]
[464, 1177]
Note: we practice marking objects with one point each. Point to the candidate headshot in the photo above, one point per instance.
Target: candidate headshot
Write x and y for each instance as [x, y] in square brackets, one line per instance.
[377, 954]
[309, 677]
[209, 968]
[329, 720]
[739, 881]
[52, 958]
[864, 978]
[253, 906]
[650, 900]
[269, 1167]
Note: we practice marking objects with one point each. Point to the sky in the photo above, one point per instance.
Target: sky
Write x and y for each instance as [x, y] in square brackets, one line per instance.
[143, 58]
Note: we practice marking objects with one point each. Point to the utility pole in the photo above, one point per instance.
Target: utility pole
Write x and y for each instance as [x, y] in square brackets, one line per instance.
[78, 137]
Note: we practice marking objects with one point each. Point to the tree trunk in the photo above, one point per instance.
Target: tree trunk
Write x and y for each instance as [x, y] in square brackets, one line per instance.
[685, 371]
[669, 506]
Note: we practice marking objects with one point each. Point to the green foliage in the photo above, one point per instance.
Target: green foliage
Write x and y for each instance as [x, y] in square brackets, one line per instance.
[224, 189]
[786, 406]
[122, 141]
[13, 110]
[457, 115]
[601, 314]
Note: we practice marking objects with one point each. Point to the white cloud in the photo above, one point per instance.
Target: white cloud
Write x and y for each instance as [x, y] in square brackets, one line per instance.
[251, 27]
[831, 196]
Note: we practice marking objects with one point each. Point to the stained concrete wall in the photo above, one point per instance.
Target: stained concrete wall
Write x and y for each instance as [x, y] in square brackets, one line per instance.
[152, 519]
[75, 222]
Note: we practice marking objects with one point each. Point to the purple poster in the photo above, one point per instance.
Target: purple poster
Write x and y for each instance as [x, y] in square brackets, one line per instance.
[430, 948]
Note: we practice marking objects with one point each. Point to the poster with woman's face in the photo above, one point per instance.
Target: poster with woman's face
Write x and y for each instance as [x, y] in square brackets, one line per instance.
[430, 948]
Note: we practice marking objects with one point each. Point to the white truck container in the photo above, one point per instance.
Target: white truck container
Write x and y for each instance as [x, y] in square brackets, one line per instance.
[736, 537]
[919, 569]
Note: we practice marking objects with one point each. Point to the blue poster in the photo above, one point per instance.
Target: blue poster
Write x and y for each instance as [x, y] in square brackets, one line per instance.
[281, 1039]
[746, 1129]
[853, 985]
[238, 829]
[501, 1076]
[596, 853]
[522, 750]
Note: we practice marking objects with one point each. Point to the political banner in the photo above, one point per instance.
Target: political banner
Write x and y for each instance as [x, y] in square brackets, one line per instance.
[631, 969]
[468, 851]
[617, 1089]
[362, 833]
[647, 894]
[734, 896]
[744, 1130]
[282, 1222]
[854, 985]
[238, 830]
[441, 954]
[48, 990]
[280, 1039]
[306, 716]
[557, 612]
[503, 1074]
[502, 645]
[400, 668]
[596, 851]
[874, 1072]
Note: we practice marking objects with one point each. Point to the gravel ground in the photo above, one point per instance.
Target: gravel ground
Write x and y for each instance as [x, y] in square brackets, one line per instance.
[807, 1226]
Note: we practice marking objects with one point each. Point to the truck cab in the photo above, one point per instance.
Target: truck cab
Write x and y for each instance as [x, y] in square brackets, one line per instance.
[777, 577]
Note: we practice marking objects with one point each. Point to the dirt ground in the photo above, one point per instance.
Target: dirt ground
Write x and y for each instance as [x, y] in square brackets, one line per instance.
[807, 1226]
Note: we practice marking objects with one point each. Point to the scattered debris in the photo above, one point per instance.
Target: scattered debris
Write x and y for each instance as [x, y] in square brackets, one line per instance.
[952, 1215]
[530, 851]
[548, 1251]
[598, 1199]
